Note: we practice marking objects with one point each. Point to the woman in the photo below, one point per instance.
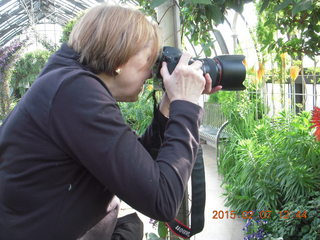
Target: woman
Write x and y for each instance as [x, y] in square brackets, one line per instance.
[65, 150]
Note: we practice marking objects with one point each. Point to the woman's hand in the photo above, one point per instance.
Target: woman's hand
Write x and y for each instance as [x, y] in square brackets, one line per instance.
[208, 88]
[186, 81]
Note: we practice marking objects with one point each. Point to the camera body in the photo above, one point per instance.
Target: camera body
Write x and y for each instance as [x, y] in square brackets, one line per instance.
[225, 70]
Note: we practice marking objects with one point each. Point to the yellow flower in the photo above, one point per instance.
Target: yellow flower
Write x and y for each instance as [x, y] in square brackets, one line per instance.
[294, 72]
[150, 87]
[245, 63]
[260, 72]
[283, 56]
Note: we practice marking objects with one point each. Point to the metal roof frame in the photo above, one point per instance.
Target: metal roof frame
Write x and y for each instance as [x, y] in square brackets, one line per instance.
[16, 16]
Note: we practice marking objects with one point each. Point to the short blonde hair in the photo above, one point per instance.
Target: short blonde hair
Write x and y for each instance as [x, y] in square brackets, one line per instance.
[107, 36]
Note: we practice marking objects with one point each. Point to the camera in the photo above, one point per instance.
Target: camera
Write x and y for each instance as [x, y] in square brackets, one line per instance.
[225, 70]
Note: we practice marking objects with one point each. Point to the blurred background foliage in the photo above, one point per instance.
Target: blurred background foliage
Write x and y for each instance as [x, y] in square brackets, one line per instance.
[25, 71]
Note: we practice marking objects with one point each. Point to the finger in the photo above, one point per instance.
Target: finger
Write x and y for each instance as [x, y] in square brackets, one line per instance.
[208, 86]
[164, 70]
[197, 64]
[184, 59]
[216, 89]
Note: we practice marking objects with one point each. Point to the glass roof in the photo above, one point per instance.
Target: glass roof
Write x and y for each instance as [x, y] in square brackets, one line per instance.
[16, 16]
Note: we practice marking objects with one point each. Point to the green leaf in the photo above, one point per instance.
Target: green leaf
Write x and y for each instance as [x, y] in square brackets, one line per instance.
[162, 230]
[243, 197]
[152, 236]
[283, 5]
[235, 5]
[265, 4]
[207, 51]
[215, 14]
[157, 3]
[305, 229]
[301, 6]
[200, 1]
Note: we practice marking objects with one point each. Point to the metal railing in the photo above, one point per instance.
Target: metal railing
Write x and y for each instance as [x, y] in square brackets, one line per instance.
[213, 116]
[213, 121]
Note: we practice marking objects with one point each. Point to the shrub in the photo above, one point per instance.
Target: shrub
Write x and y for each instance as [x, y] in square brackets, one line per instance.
[26, 70]
[273, 167]
[300, 221]
[275, 164]
[139, 114]
[68, 28]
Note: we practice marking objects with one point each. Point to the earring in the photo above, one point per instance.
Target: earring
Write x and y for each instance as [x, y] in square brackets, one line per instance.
[118, 71]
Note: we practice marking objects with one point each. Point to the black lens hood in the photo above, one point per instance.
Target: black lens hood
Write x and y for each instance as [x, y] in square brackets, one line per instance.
[233, 72]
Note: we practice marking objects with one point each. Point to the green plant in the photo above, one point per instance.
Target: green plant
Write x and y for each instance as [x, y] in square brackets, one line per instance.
[162, 230]
[254, 228]
[153, 236]
[297, 220]
[274, 167]
[8, 55]
[47, 44]
[198, 19]
[68, 28]
[295, 23]
[270, 165]
[26, 69]
[139, 114]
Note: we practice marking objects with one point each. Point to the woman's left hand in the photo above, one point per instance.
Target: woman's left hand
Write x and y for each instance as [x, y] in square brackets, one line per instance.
[208, 87]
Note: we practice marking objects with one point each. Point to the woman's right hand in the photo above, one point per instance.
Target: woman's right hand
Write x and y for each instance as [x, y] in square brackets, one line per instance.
[186, 81]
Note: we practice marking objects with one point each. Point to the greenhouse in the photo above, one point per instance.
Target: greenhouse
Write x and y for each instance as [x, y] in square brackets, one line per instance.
[241, 162]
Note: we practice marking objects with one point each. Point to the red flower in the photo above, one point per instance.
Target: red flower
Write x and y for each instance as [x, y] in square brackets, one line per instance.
[316, 121]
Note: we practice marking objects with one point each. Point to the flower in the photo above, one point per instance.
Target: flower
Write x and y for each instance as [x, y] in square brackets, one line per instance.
[150, 87]
[294, 72]
[260, 72]
[9, 54]
[283, 56]
[153, 222]
[245, 63]
[254, 229]
[316, 122]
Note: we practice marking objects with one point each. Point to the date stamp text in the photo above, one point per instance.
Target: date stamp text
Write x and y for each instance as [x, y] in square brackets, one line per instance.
[266, 214]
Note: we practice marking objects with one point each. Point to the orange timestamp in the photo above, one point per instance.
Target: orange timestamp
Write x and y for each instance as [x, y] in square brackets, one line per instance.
[266, 214]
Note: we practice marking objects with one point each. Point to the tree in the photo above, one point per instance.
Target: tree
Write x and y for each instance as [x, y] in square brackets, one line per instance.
[199, 19]
[290, 26]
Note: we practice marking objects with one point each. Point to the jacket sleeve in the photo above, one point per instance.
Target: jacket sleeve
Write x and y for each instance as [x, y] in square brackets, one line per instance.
[86, 123]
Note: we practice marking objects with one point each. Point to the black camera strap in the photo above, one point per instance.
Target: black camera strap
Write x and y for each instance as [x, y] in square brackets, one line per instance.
[198, 194]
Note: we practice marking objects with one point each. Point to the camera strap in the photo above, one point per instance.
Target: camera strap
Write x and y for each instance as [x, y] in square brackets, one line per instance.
[198, 189]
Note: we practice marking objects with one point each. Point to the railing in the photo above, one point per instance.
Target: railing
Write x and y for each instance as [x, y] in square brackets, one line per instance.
[212, 124]
[213, 116]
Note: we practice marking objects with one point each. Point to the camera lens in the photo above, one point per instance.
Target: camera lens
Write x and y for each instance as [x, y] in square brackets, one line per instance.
[226, 70]
[232, 72]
